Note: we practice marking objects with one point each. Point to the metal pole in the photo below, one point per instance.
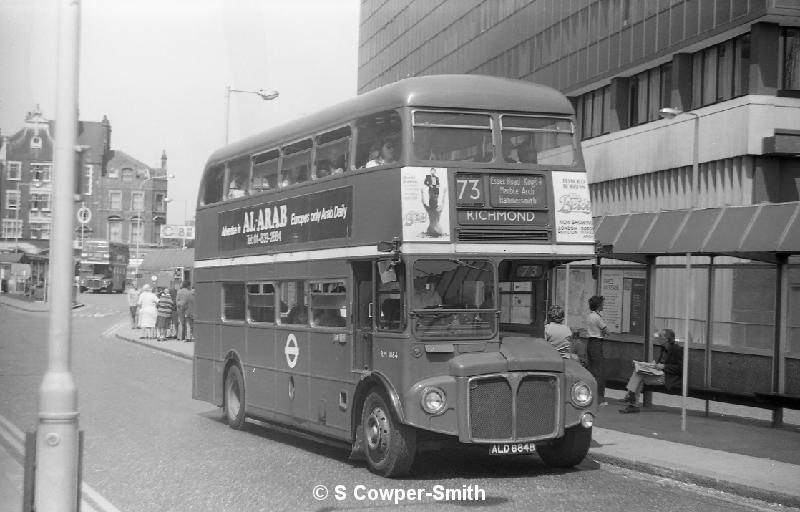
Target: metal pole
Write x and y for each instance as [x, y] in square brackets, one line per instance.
[689, 304]
[227, 110]
[57, 444]
[695, 161]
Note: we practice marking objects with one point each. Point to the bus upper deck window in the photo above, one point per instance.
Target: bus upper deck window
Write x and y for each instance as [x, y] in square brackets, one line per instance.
[238, 178]
[379, 139]
[453, 136]
[333, 152]
[214, 180]
[296, 163]
[538, 139]
[265, 171]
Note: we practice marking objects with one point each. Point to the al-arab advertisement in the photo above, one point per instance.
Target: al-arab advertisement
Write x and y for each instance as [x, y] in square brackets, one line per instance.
[426, 215]
[572, 208]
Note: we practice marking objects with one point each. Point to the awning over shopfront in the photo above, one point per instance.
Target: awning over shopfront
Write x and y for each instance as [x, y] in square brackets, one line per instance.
[759, 232]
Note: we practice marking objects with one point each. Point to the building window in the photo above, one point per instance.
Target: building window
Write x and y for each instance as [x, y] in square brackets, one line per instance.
[127, 174]
[114, 230]
[14, 170]
[113, 173]
[89, 175]
[791, 58]
[41, 172]
[12, 199]
[36, 143]
[40, 230]
[114, 200]
[161, 203]
[12, 228]
[40, 202]
[741, 66]
[136, 231]
[137, 201]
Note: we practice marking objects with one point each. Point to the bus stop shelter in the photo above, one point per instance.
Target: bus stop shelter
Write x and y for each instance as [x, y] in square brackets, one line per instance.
[766, 233]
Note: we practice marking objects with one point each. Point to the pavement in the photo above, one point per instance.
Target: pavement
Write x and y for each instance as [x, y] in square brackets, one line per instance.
[732, 449]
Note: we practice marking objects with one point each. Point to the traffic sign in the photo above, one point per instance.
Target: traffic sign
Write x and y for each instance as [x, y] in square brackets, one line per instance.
[84, 215]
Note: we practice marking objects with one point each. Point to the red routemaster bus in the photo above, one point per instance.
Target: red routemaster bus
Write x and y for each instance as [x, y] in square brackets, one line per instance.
[378, 273]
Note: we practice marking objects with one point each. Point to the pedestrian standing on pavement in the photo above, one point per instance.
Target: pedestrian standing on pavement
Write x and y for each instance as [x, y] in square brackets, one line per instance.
[670, 362]
[596, 329]
[180, 301]
[133, 304]
[165, 308]
[173, 322]
[558, 334]
[147, 312]
[189, 316]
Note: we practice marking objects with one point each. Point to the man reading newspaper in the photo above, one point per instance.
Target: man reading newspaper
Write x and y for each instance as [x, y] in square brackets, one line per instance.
[666, 371]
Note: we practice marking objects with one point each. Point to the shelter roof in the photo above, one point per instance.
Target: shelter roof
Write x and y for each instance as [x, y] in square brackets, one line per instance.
[162, 259]
[759, 232]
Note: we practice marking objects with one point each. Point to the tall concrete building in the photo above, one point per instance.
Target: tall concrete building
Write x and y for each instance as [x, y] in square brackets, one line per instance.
[735, 64]
[730, 69]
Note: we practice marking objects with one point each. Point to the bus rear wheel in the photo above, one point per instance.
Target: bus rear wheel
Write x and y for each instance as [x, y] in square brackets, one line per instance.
[234, 398]
[568, 451]
[389, 446]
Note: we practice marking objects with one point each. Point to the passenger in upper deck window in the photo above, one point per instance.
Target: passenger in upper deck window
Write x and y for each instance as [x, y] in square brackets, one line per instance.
[386, 153]
[234, 189]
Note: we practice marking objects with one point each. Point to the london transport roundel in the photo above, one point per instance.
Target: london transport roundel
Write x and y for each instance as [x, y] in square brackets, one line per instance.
[291, 350]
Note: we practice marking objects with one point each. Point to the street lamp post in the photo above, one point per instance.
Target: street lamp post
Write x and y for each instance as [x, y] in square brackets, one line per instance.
[671, 113]
[261, 93]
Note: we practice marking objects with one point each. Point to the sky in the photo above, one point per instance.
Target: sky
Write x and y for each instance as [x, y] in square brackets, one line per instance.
[158, 69]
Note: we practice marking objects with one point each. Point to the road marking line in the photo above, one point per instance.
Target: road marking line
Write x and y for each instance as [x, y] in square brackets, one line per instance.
[113, 329]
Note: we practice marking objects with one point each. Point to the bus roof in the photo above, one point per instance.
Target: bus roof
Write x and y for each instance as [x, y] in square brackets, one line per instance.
[478, 92]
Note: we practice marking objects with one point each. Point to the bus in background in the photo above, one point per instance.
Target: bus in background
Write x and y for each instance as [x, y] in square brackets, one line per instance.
[378, 273]
[103, 266]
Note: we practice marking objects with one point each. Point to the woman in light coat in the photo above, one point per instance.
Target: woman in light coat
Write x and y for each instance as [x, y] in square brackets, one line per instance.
[148, 312]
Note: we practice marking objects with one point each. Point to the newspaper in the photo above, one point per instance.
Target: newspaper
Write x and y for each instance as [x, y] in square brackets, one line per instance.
[646, 368]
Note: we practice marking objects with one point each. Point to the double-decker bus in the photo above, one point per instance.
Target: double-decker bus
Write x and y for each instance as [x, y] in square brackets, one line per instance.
[103, 266]
[378, 273]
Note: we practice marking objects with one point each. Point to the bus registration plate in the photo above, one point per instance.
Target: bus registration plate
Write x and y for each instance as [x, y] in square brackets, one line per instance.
[512, 449]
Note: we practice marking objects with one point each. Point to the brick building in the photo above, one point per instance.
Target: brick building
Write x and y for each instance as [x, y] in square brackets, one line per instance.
[125, 198]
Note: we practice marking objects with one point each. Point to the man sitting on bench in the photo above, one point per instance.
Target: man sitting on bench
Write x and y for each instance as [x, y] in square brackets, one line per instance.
[670, 365]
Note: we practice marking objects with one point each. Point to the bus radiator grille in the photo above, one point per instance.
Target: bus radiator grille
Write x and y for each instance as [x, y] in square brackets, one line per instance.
[490, 409]
[537, 406]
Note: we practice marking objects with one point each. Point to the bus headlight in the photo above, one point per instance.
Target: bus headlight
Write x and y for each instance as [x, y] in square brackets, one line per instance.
[581, 394]
[434, 401]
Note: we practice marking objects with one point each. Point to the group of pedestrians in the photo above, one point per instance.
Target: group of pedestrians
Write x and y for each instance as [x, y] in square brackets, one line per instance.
[666, 371]
[166, 313]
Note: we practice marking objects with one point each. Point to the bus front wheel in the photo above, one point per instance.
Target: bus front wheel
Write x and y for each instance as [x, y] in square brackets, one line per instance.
[568, 451]
[389, 446]
[234, 398]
